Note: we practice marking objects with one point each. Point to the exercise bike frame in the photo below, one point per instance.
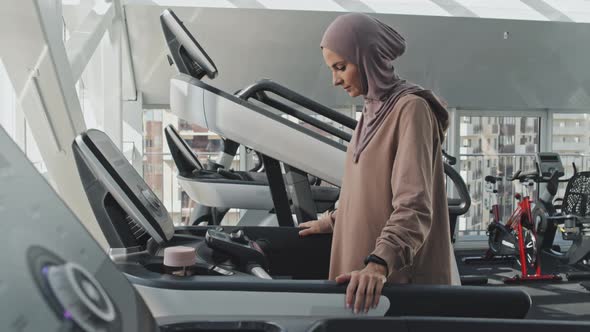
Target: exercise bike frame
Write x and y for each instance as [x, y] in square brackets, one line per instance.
[522, 215]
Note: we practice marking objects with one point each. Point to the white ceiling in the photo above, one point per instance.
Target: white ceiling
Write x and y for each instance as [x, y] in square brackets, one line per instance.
[543, 10]
[467, 61]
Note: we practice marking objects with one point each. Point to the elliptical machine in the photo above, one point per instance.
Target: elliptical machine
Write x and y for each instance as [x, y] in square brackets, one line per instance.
[571, 217]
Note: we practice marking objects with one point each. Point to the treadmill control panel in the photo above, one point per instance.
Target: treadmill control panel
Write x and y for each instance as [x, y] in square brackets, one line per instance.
[548, 163]
[131, 213]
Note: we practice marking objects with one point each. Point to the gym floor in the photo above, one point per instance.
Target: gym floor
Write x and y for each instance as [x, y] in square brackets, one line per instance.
[561, 300]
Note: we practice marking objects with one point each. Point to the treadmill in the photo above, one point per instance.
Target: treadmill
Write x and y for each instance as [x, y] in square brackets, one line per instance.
[237, 119]
[242, 271]
[215, 187]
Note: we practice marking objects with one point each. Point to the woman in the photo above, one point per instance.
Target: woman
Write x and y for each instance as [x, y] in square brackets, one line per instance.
[392, 221]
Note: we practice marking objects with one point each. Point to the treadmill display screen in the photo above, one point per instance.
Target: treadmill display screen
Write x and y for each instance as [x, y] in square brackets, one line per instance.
[549, 158]
[55, 277]
[135, 188]
[189, 56]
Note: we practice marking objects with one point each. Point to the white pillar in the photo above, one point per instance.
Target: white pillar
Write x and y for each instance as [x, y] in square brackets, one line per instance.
[133, 131]
[111, 66]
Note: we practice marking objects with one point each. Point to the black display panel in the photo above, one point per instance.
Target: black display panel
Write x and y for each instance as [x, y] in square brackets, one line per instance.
[127, 209]
[190, 58]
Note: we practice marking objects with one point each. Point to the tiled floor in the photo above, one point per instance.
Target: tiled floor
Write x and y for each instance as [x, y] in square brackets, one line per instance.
[565, 300]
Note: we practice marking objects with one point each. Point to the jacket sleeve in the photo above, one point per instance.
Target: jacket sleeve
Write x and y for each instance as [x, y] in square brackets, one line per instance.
[411, 183]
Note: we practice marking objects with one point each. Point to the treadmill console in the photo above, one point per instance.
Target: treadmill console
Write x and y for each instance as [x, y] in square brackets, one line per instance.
[128, 211]
[548, 163]
[184, 157]
[55, 277]
[187, 54]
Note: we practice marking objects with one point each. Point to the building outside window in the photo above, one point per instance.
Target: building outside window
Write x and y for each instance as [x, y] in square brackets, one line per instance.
[510, 144]
[568, 140]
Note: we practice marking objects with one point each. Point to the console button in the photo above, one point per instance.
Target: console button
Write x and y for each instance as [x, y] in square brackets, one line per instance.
[83, 299]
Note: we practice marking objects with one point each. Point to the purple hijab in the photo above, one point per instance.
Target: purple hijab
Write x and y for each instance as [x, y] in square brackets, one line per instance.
[372, 46]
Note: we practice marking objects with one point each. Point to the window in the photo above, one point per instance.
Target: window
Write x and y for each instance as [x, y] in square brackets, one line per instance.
[505, 149]
[159, 170]
[13, 122]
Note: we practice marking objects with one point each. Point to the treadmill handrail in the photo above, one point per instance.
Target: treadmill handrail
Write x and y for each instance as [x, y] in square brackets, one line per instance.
[465, 198]
[266, 85]
[264, 98]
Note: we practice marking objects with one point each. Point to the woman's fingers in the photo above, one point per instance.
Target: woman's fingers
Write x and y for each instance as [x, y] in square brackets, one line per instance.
[306, 232]
[343, 278]
[351, 289]
[305, 224]
[361, 291]
[378, 290]
[308, 228]
[370, 293]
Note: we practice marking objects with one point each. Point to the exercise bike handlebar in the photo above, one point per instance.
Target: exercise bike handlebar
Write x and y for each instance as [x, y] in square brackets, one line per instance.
[533, 175]
[530, 175]
[492, 179]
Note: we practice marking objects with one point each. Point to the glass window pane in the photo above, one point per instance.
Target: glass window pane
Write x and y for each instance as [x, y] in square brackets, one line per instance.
[496, 146]
[571, 139]
[159, 169]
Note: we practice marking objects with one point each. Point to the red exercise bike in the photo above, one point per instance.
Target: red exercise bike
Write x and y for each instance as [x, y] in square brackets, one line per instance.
[517, 236]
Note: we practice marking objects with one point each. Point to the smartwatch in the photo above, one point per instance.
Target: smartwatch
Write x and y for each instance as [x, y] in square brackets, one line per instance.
[375, 259]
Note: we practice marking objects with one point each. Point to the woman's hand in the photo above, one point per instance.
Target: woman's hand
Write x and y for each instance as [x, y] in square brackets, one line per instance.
[364, 286]
[321, 226]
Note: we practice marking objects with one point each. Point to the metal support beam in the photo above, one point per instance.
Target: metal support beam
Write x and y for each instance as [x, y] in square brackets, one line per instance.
[129, 92]
[354, 6]
[37, 64]
[84, 40]
[278, 191]
[455, 8]
[246, 4]
[547, 10]
[113, 100]
[301, 196]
